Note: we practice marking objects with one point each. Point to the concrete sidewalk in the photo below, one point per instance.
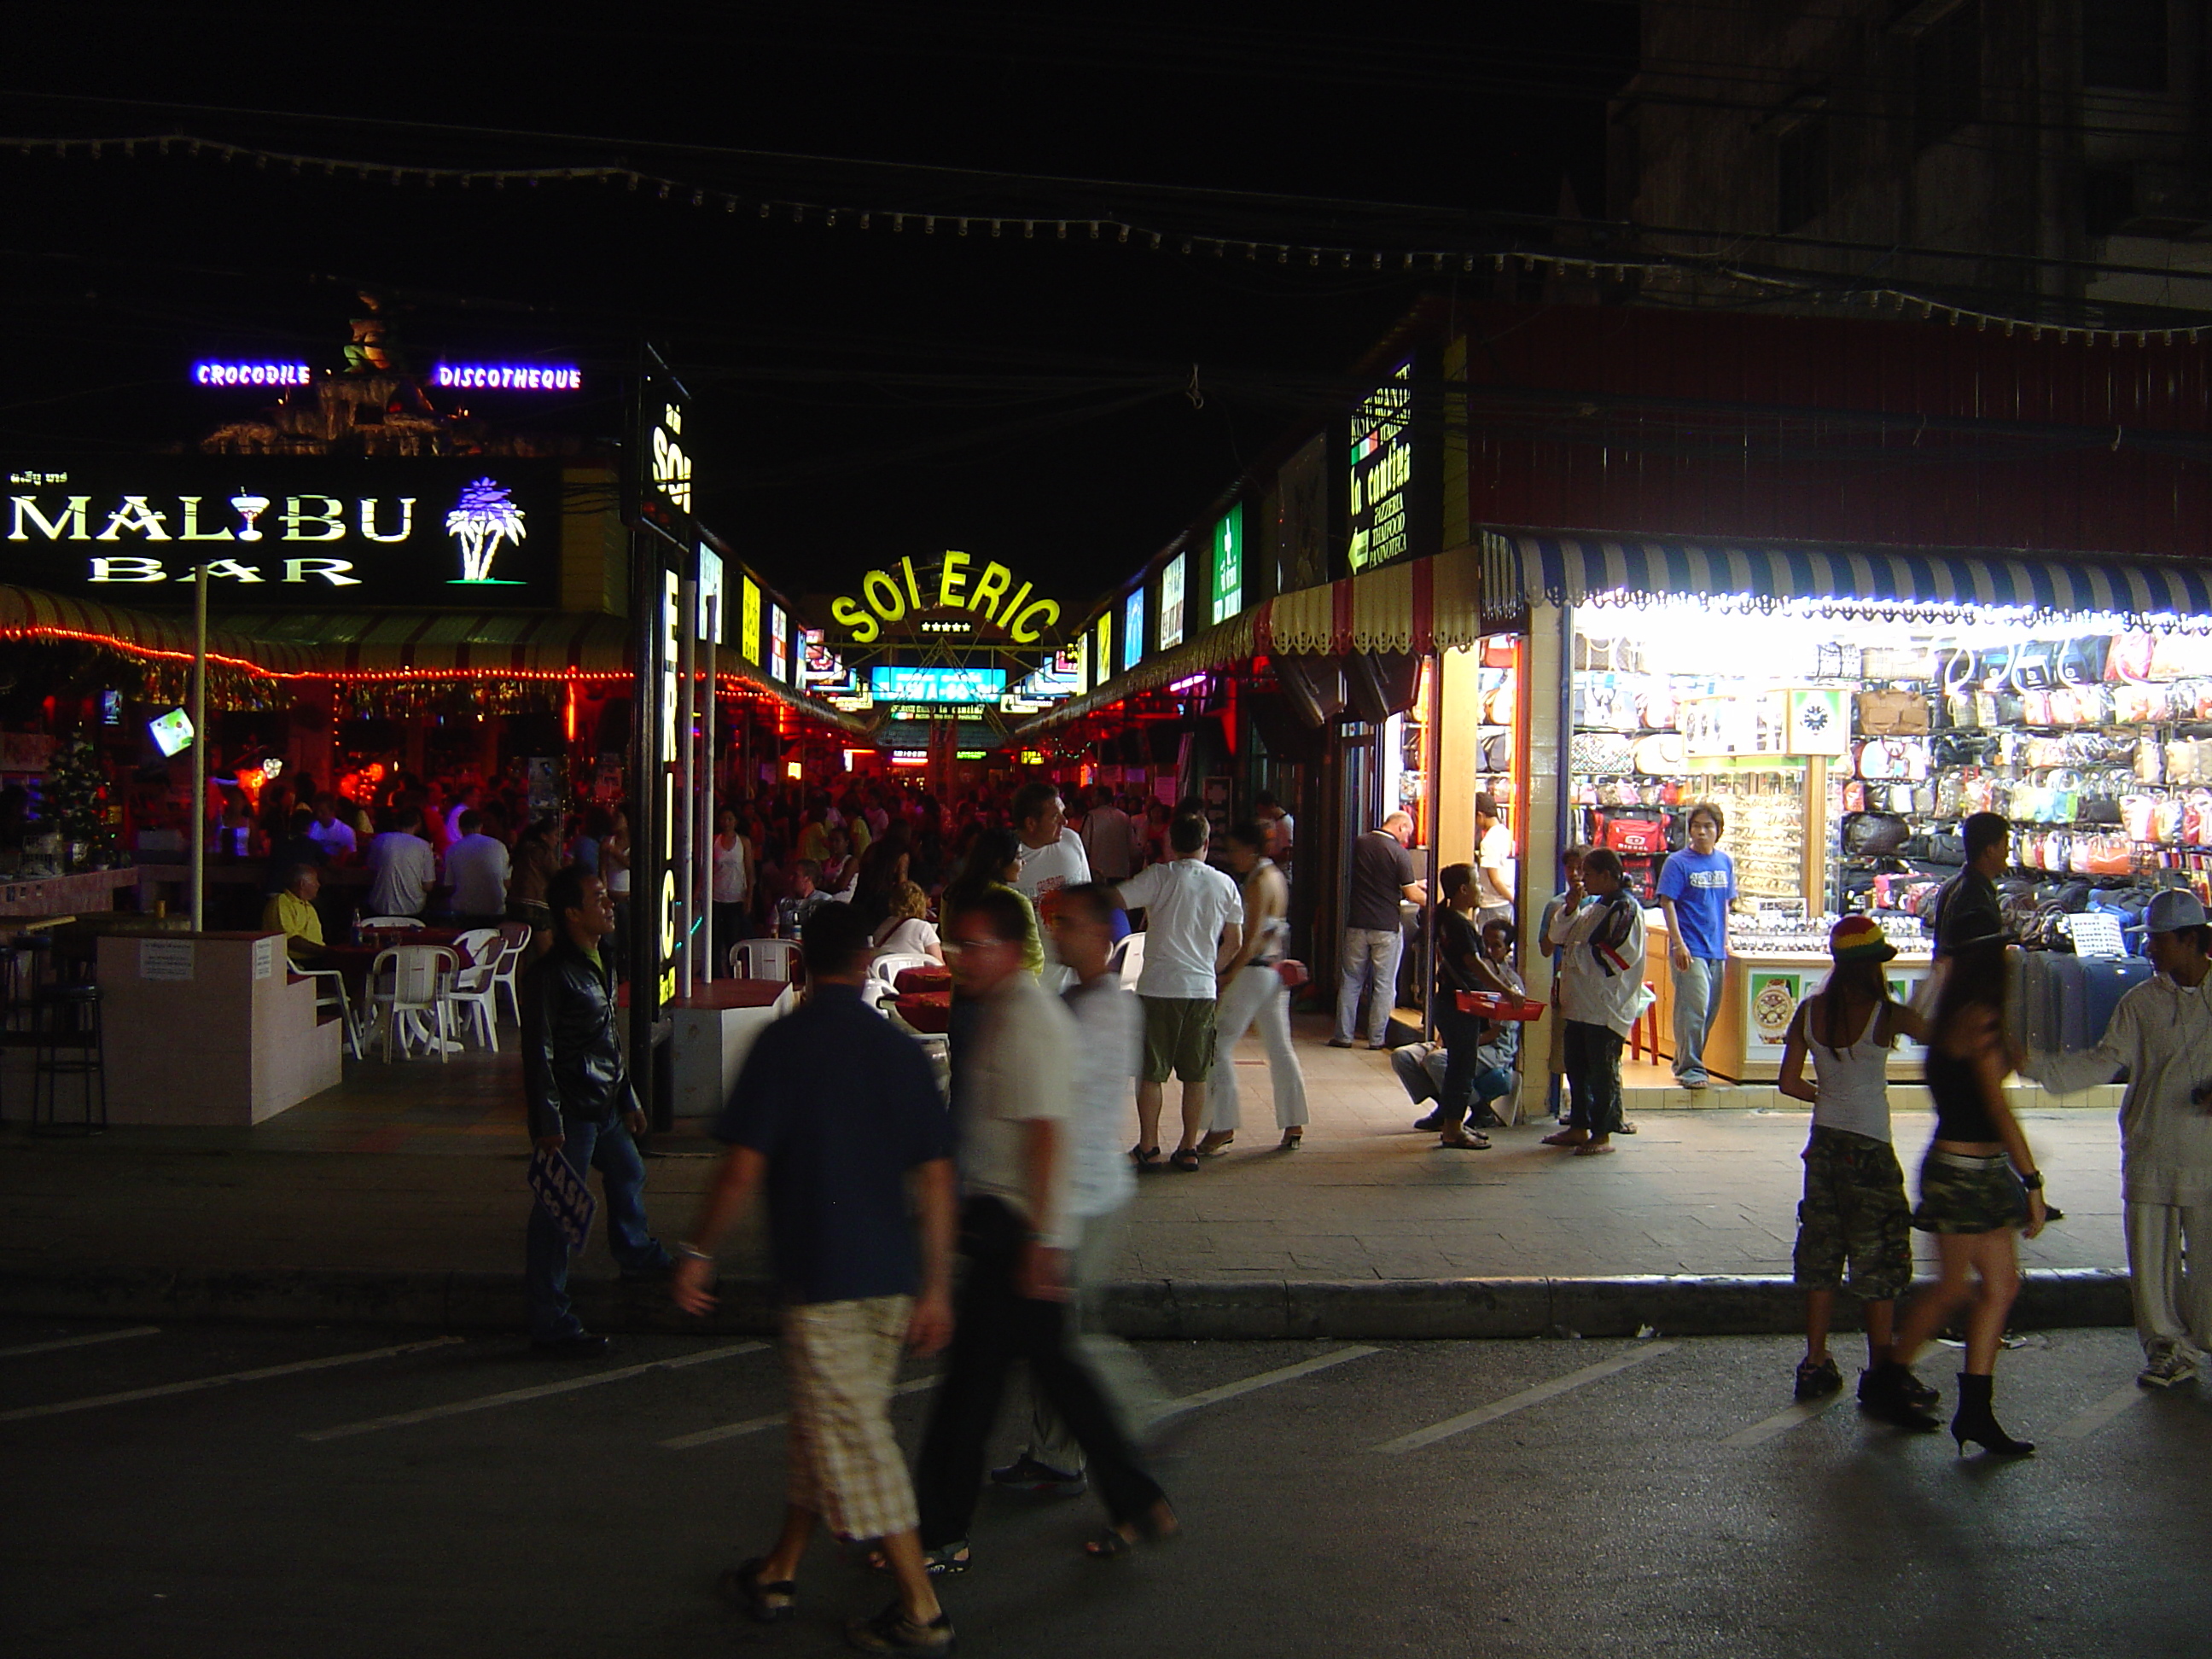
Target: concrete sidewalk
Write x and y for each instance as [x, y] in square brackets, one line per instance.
[400, 1195]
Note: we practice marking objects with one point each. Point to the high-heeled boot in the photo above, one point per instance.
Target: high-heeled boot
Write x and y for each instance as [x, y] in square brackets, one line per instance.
[1976, 1422]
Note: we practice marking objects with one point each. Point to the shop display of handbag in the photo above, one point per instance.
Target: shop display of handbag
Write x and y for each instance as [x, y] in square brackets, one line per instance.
[1601, 754]
[1495, 754]
[1888, 758]
[1891, 713]
[1660, 756]
[1873, 834]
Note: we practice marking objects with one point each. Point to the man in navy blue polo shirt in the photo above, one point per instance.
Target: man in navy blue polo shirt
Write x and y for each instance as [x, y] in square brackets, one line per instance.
[837, 1118]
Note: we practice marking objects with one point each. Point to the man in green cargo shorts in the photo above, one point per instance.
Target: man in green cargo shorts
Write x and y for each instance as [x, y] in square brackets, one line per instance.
[1194, 923]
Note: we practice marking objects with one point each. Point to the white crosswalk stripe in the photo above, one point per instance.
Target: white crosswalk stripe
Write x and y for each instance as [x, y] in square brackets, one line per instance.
[199, 1383]
[1522, 1401]
[2088, 1423]
[757, 1424]
[59, 1343]
[1782, 1422]
[540, 1391]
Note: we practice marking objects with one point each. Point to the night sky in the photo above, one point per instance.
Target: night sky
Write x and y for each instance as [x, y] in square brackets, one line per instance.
[860, 395]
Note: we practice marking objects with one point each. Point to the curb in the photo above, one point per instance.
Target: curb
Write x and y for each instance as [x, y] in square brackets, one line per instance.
[1249, 1310]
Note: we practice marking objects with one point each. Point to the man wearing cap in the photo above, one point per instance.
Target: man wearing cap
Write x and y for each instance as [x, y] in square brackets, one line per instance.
[2162, 1032]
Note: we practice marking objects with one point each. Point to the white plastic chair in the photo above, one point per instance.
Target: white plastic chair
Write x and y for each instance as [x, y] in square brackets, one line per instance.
[331, 992]
[419, 977]
[764, 958]
[471, 945]
[470, 996]
[392, 921]
[506, 967]
[884, 972]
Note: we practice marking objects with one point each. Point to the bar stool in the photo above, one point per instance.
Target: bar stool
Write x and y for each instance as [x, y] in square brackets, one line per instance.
[68, 1045]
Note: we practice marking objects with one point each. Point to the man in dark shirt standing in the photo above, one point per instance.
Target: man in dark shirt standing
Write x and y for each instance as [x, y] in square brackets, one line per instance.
[581, 1106]
[1382, 875]
[833, 1112]
[1968, 907]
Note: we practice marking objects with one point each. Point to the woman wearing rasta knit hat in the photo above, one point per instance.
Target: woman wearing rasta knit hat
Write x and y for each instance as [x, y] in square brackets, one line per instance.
[1855, 1214]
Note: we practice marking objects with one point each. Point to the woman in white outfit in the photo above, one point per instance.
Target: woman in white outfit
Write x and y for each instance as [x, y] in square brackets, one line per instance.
[1252, 991]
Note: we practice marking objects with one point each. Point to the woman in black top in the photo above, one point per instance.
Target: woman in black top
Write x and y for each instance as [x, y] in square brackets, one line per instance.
[1971, 1197]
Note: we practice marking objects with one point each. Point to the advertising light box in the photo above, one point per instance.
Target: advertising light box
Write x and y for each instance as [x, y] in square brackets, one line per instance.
[278, 532]
[934, 685]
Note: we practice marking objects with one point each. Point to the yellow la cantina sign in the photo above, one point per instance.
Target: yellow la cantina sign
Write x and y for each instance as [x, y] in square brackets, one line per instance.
[893, 596]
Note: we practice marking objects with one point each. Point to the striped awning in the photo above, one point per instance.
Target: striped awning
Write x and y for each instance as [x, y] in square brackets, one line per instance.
[1421, 605]
[29, 613]
[1522, 566]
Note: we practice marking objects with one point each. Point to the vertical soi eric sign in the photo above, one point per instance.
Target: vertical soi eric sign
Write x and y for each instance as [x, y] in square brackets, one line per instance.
[663, 545]
[1395, 473]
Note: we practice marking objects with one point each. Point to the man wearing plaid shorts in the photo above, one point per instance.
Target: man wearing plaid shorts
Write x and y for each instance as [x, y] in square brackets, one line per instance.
[836, 1116]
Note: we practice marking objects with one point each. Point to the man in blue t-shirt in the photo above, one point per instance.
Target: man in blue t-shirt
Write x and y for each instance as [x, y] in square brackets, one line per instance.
[1695, 890]
[835, 1116]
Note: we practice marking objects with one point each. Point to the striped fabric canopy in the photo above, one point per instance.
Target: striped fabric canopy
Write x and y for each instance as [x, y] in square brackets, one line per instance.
[1520, 568]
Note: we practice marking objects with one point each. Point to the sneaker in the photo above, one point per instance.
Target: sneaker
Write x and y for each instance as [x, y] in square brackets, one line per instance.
[892, 1632]
[2167, 1369]
[1818, 1379]
[1339, 1042]
[1025, 1474]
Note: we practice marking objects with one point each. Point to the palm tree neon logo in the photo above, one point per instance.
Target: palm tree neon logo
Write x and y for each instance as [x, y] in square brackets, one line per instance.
[484, 518]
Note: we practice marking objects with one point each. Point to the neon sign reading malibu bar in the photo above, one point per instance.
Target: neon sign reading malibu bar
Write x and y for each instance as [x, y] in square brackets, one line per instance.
[243, 518]
[891, 596]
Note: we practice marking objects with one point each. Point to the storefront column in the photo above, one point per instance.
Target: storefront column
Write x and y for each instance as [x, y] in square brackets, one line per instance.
[1544, 693]
[1461, 754]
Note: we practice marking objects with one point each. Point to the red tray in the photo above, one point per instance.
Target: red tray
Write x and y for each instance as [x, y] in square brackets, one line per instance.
[1489, 1005]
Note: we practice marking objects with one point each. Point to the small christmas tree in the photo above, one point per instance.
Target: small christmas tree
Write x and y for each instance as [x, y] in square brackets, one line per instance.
[73, 800]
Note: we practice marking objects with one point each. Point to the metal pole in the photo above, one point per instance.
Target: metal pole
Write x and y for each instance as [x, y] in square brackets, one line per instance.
[685, 759]
[199, 751]
[1434, 760]
[710, 768]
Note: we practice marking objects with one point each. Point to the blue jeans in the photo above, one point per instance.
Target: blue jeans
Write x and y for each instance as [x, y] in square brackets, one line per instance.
[1696, 1005]
[1368, 950]
[608, 1148]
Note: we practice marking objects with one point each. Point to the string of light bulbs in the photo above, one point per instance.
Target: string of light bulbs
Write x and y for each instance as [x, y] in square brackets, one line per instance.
[1120, 232]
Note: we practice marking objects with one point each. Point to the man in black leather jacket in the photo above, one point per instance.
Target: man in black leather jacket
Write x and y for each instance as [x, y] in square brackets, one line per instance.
[581, 1105]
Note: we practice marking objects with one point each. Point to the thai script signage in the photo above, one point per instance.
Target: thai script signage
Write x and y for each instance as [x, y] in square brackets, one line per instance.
[278, 532]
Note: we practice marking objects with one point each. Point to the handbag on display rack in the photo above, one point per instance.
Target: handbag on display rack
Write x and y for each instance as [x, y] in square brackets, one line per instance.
[1660, 755]
[2081, 661]
[1601, 754]
[2129, 657]
[1891, 713]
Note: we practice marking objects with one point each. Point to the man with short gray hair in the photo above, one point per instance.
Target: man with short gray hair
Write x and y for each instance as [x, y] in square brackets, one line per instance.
[1374, 936]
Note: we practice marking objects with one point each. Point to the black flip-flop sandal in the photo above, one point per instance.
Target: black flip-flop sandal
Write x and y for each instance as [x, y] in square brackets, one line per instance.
[769, 1603]
[1477, 1142]
[1146, 1161]
[1186, 1159]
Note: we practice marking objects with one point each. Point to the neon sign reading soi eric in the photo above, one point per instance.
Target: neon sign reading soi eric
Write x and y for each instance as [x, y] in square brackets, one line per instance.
[902, 599]
[286, 531]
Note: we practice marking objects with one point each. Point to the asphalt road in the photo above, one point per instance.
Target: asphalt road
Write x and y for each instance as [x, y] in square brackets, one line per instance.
[1554, 1498]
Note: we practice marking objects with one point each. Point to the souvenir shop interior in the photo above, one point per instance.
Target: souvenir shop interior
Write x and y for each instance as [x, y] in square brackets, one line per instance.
[1846, 742]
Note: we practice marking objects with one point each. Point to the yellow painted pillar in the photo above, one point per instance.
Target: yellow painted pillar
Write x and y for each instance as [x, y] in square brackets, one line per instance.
[1455, 782]
[1544, 664]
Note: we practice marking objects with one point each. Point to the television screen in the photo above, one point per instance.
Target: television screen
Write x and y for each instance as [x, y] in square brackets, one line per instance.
[172, 733]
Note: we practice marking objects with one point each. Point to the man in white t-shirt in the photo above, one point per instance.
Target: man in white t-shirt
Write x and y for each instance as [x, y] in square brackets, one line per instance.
[1194, 923]
[1601, 993]
[1052, 857]
[1493, 864]
[331, 832]
[476, 869]
[1109, 839]
[467, 801]
[402, 868]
